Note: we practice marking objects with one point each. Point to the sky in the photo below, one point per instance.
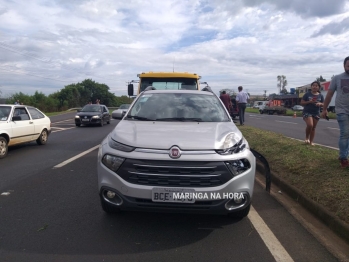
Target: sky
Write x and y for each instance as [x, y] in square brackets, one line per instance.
[46, 45]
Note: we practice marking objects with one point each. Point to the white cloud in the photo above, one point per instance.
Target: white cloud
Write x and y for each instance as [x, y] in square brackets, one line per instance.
[47, 45]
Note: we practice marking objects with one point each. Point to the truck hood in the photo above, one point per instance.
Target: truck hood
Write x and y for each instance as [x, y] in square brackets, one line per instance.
[185, 135]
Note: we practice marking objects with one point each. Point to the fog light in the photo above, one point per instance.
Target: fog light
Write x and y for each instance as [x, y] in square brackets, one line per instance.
[110, 194]
[238, 200]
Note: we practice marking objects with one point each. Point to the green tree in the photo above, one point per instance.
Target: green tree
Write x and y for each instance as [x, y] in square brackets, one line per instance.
[320, 79]
[282, 83]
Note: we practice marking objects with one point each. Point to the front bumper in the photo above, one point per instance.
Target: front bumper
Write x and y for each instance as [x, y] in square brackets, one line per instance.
[91, 121]
[137, 197]
[221, 206]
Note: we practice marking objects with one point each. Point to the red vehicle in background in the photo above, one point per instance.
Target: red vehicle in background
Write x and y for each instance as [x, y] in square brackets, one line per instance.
[234, 109]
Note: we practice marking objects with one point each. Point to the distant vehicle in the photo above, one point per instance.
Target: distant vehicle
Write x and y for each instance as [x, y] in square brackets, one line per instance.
[297, 108]
[118, 113]
[94, 114]
[21, 124]
[273, 107]
[331, 106]
[166, 81]
[234, 109]
[259, 104]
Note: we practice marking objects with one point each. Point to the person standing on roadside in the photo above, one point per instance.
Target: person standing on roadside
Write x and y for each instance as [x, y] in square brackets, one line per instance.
[312, 101]
[340, 84]
[226, 100]
[242, 99]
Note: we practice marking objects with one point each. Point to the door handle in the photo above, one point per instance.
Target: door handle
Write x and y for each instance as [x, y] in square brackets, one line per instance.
[30, 122]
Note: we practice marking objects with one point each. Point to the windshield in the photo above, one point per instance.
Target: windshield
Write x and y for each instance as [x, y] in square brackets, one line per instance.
[4, 113]
[169, 83]
[199, 107]
[124, 106]
[91, 108]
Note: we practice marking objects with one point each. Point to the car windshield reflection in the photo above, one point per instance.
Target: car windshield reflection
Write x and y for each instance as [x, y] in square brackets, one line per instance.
[4, 112]
[178, 107]
[91, 108]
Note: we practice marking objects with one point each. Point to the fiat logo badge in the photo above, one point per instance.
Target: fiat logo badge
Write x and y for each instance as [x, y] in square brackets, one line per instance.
[175, 152]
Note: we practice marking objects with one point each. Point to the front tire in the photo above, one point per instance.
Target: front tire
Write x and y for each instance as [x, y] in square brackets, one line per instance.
[3, 147]
[42, 140]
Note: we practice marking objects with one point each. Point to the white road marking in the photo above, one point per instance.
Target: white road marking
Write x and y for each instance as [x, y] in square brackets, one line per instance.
[60, 129]
[286, 122]
[335, 148]
[272, 243]
[75, 157]
[333, 128]
[62, 121]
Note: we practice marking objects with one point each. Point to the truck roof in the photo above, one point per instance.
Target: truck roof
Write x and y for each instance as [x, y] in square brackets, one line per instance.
[169, 74]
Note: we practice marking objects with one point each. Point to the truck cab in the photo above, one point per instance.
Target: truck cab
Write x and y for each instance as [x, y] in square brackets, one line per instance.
[165, 81]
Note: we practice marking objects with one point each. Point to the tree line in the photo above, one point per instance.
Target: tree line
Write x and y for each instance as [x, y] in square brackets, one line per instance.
[71, 96]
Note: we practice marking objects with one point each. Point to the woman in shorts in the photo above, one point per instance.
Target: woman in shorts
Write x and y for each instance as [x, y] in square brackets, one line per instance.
[312, 101]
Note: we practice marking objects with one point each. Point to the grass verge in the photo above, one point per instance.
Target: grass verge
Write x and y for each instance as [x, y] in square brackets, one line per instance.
[314, 170]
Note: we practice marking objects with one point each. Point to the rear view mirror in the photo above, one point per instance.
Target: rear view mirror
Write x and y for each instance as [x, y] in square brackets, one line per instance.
[130, 89]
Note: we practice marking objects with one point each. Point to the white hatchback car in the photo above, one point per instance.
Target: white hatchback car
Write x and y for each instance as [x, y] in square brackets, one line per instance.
[21, 124]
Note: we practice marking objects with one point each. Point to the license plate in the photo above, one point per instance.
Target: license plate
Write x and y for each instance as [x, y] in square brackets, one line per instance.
[173, 195]
[85, 120]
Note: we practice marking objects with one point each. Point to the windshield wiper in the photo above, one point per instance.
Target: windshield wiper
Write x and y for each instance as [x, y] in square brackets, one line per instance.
[139, 118]
[179, 119]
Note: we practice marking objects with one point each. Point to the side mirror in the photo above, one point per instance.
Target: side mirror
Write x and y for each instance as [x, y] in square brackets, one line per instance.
[78, 110]
[123, 114]
[16, 118]
[130, 89]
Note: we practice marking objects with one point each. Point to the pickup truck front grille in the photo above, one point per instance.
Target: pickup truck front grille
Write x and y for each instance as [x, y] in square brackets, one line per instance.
[174, 173]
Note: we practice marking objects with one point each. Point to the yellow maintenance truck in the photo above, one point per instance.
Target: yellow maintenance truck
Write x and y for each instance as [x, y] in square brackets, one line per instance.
[164, 81]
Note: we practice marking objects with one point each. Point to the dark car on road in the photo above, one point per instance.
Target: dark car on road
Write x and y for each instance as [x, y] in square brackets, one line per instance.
[94, 114]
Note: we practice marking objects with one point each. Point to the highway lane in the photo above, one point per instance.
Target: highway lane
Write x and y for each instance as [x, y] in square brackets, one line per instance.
[64, 142]
[327, 132]
[54, 214]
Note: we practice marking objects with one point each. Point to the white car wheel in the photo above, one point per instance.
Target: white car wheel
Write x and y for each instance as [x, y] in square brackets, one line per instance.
[3, 147]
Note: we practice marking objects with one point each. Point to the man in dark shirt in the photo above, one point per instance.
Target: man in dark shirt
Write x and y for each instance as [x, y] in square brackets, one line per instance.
[226, 100]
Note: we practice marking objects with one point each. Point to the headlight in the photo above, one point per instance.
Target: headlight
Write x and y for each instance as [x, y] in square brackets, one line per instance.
[96, 117]
[232, 146]
[112, 162]
[236, 167]
[118, 146]
[77, 116]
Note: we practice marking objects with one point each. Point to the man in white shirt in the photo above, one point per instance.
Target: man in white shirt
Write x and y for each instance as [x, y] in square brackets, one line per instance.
[242, 99]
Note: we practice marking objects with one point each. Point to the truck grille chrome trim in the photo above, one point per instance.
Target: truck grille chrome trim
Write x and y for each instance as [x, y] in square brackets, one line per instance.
[165, 151]
[169, 173]
[148, 174]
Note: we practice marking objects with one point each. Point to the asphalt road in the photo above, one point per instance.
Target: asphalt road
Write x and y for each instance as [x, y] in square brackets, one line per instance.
[54, 214]
[327, 132]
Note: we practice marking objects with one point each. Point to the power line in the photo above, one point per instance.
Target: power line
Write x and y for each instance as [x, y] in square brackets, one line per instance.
[22, 73]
